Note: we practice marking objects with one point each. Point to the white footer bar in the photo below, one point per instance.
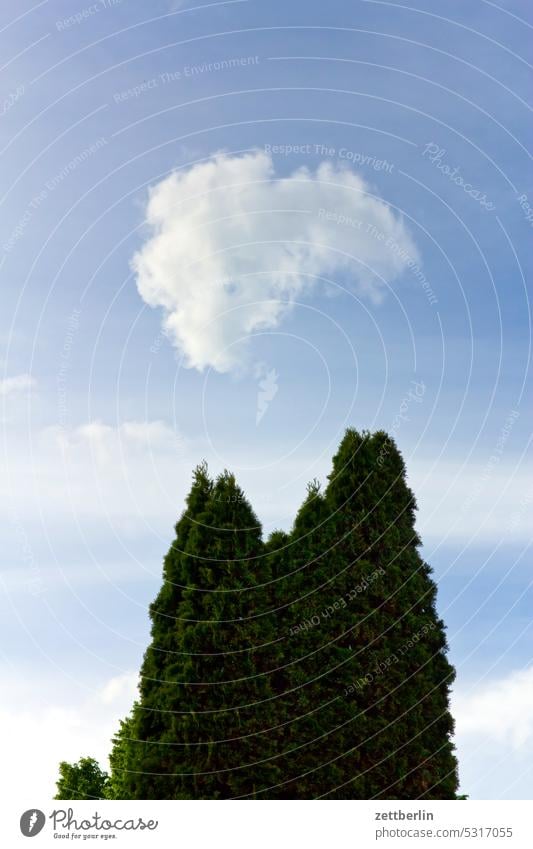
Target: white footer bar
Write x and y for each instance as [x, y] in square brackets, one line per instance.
[272, 825]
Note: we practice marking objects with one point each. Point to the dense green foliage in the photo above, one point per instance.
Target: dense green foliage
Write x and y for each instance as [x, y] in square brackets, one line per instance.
[205, 700]
[82, 780]
[367, 648]
[312, 665]
[117, 786]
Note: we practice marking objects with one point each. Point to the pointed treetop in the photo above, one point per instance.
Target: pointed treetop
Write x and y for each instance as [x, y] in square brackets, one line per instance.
[313, 487]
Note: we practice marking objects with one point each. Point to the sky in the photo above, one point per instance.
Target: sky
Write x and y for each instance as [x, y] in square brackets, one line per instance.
[229, 231]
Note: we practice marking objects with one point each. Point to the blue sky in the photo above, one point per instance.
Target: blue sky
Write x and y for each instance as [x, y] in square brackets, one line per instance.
[128, 353]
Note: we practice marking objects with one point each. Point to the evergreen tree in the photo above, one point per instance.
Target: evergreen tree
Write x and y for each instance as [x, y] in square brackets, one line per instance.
[200, 728]
[120, 758]
[399, 678]
[145, 764]
[312, 666]
[412, 675]
[82, 780]
[318, 658]
[365, 663]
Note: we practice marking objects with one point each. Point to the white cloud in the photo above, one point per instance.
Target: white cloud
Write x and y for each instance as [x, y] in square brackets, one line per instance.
[464, 503]
[231, 247]
[501, 710]
[16, 385]
[116, 471]
[494, 733]
[106, 442]
[494, 737]
[38, 734]
[137, 474]
[120, 690]
[127, 473]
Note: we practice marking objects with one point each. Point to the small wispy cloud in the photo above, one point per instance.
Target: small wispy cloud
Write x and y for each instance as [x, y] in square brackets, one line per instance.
[267, 390]
[149, 437]
[17, 384]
